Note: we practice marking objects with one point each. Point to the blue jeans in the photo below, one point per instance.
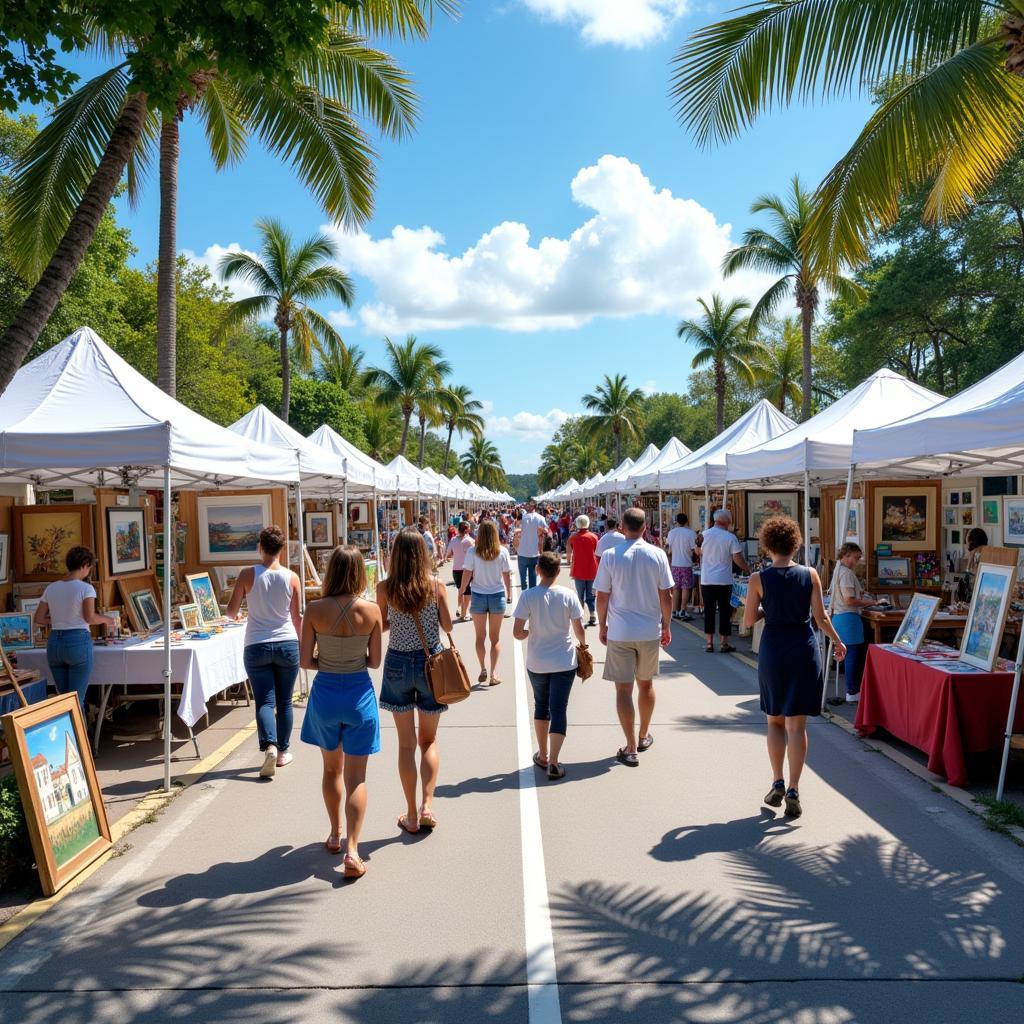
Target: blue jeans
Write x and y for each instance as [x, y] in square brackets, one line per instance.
[69, 655]
[272, 669]
[551, 698]
[585, 592]
[527, 569]
[853, 666]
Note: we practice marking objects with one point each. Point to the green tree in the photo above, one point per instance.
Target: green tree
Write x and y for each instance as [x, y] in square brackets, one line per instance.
[343, 365]
[951, 120]
[784, 251]
[382, 426]
[461, 414]
[616, 412]
[414, 372]
[315, 402]
[288, 278]
[778, 367]
[722, 339]
[481, 464]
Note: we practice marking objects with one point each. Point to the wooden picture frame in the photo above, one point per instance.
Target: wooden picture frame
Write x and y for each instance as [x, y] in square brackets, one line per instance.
[905, 517]
[132, 585]
[359, 513]
[17, 633]
[230, 525]
[5, 558]
[990, 602]
[916, 623]
[204, 594]
[190, 616]
[312, 573]
[762, 505]
[43, 535]
[318, 529]
[127, 540]
[63, 804]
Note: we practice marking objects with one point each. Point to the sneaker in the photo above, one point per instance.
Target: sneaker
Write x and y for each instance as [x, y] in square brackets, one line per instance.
[592, 621]
[793, 808]
[269, 763]
[677, 616]
[283, 759]
[852, 698]
[776, 793]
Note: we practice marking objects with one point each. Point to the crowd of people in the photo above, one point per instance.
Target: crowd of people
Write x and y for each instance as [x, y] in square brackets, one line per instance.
[625, 581]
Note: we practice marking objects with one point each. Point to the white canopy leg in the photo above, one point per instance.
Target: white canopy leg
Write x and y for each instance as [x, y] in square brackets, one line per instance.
[833, 588]
[344, 501]
[169, 562]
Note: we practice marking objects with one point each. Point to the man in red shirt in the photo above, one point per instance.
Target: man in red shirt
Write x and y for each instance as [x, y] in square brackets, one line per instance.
[582, 558]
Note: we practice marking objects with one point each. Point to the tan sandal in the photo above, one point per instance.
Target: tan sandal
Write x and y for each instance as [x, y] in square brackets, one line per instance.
[335, 847]
[354, 867]
[495, 681]
[428, 820]
[404, 825]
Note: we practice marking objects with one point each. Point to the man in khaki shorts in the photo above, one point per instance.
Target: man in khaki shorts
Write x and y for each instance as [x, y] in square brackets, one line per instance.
[634, 610]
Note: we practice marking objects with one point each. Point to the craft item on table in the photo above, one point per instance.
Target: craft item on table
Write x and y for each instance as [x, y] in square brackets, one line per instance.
[987, 616]
[203, 594]
[16, 631]
[61, 797]
[190, 616]
[147, 609]
[230, 525]
[916, 621]
[127, 540]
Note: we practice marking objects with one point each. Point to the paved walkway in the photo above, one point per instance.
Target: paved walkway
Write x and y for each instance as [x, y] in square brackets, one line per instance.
[663, 893]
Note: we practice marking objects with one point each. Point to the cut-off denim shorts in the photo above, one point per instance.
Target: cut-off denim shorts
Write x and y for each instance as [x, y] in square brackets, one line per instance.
[487, 604]
[405, 685]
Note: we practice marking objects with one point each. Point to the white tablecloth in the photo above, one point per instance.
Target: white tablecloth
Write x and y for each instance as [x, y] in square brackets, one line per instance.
[203, 667]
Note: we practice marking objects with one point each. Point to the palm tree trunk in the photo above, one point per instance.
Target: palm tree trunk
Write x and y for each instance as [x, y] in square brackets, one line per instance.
[448, 450]
[167, 260]
[286, 375]
[406, 417]
[618, 445]
[423, 440]
[28, 323]
[806, 320]
[719, 397]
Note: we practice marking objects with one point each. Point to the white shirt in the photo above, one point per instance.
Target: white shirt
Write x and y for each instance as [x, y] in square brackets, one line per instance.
[549, 611]
[716, 553]
[528, 541]
[64, 599]
[609, 540]
[428, 539]
[488, 577]
[682, 540]
[634, 573]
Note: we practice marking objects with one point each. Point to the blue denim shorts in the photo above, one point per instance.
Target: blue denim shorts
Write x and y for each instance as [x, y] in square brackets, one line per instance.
[342, 709]
[405, 685]
[484, 604]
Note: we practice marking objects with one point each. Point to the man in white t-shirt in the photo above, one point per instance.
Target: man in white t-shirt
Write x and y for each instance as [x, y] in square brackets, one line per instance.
[611, 537]
[680, 544]
[532, 529]
[634, 611]
[719, 550]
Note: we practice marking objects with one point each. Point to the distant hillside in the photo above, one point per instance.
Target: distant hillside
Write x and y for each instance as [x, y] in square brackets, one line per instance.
[522, 485]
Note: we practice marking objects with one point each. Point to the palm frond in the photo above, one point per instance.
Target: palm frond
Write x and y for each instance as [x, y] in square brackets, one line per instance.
[404, 19]
[768, 304]
[225, 132]
[241, 265]
[140, 163]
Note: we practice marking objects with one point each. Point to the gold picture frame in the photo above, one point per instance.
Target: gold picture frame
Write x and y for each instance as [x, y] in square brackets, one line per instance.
[43, 535]
[906, 518]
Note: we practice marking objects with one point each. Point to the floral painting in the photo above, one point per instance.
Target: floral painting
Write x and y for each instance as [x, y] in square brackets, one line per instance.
[45, 535]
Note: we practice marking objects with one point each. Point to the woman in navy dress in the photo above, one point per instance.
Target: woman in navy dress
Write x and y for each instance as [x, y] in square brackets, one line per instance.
[786, 596]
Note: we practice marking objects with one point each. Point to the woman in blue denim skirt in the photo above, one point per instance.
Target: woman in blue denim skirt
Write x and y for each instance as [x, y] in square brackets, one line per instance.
[341, 639]
[68, 607]
[271, 594]
[487, 575]
[414, 610]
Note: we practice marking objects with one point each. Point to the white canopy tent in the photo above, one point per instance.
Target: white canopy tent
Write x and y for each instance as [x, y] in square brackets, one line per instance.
[563, 492]
[80, 415]
[615, 480]
[978, 432]
[649, 478]
[644, 459]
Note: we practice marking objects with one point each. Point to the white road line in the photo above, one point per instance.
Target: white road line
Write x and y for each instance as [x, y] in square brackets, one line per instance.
[541, 974]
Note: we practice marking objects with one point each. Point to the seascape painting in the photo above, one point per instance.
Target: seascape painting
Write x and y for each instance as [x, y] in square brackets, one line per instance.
[229, 526]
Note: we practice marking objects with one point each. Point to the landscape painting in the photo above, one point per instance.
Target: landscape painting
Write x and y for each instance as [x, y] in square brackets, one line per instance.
[1013, 521]
[203, 594]
[230, 525]
[16, 630]
[127, 543]
[984, 630]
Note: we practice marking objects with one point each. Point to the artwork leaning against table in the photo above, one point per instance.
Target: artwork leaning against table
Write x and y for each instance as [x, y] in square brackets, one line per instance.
[987, 616]
[203, 594]
[916, 622]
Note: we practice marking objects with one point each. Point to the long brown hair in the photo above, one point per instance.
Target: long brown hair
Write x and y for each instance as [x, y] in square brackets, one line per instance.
[346, 573]
[487, 545]
[409, 587]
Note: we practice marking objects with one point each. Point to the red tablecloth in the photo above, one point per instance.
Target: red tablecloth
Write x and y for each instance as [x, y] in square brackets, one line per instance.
[943, 714]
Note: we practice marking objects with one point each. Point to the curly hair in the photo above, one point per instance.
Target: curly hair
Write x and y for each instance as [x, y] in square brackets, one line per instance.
[272, 539]
[409, 587]
[780, 535]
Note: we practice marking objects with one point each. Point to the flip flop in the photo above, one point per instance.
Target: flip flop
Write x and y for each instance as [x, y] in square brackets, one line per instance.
[727, 648]
[354, 867]
[404, 825]
[645, 744]
[330, 847]
[629, 760]
[555, 772]
[709, 649]
[495, 681]
[540, 762]
[482, 678]
[428, 821]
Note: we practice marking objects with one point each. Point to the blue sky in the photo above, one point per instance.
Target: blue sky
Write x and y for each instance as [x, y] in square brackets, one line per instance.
[541, 120]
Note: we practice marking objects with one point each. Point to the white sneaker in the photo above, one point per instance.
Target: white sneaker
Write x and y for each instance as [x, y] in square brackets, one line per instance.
[852, 698]
[283, 759]
[269, 763]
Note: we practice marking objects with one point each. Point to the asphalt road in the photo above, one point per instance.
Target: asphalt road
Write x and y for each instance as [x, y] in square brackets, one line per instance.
[662, 893]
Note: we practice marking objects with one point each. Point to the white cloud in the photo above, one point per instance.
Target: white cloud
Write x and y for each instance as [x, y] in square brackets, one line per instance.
[52, 734]
[528, 424]
[644, 251]
[649, 387]
[341, 318]
[621, 22]
[239, 288]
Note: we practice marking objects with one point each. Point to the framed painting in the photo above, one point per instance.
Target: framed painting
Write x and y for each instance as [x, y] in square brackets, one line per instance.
[967, 517]
[359, 513]
[987, 616]
[893, 570]
[698, 512]
[319, 529]
[916, 622]
[990, 512]
[762, 505]
[127, 542]
[44, 534]
[905, 518]
[294, 554]
[230, 525]
[967, 498]
[16, 630]
[227, 576]
[854, 523]
[203, 594]
[190, 617]
[180, 536]
[147, 610]
[361, 538]
[954, 498]
[1013, 521]
[5, 558]
[60, 794]
[951, 517]
[370, 594]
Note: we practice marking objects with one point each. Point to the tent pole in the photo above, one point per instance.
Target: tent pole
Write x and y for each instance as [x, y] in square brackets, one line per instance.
[707, 505]
[841, 533]
[169, 563]
[299, 526]
[376, 530]
[344, 501]
[661, 498]
[807, 518]
[1014, 697]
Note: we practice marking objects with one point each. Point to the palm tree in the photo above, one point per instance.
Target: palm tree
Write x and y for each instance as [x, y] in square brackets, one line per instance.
[380, 428]
[556, 464]
[287, 278]
[617, 412]
[778, 367]
[68, 175]
[723, 341]
[342, 365]
[428, 414]
[481, 463]
[950, 115]
[414, 372]
[460, 414]
[588, 460]
[785, 252]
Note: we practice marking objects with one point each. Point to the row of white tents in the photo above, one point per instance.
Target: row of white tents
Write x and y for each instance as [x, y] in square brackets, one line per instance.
[80, 416]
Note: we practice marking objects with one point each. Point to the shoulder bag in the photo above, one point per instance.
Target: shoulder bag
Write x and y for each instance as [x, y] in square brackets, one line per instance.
[584, 661]
[446, 674]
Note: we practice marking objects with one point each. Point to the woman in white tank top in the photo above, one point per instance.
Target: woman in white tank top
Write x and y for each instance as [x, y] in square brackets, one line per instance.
[271, 593]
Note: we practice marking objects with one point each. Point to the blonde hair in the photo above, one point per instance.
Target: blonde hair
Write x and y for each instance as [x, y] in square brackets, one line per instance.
[488, 547]
[346, 573]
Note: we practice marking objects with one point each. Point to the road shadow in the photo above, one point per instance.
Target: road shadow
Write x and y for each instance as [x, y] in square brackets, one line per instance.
[747, 717]
[575, 771]
[691, 841]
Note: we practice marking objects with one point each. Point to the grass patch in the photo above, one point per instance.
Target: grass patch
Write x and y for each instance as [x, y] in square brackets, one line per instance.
[1001, 815]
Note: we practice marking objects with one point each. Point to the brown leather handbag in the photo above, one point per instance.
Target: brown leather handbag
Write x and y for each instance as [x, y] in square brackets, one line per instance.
[446, 675]
[584, 661]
